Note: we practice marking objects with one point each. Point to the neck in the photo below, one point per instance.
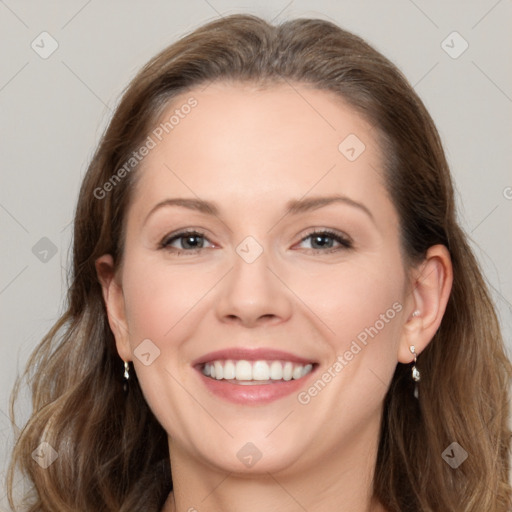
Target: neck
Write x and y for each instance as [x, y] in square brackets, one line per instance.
[340, 480]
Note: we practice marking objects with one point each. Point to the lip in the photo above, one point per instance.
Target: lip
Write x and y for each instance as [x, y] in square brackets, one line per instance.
[253, 394]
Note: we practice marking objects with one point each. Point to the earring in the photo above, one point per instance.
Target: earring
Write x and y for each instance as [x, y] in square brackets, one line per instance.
[415, 372]
[126, 374]
[416, 313]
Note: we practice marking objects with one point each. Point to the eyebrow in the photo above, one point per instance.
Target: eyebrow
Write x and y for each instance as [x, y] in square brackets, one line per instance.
[293, 207]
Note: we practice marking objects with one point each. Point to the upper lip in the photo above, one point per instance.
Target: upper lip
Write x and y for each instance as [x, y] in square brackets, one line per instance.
[256, 354]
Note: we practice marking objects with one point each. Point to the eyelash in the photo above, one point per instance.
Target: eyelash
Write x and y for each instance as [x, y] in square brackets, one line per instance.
[345, 242]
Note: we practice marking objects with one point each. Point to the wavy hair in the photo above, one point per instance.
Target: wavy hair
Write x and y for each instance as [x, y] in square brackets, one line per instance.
[112, 452]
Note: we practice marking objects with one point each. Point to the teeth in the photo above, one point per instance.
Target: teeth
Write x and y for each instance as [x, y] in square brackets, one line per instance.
[243, 370]
[276, 370]
[288, 371]
[260, 371]
[297, 372]
[229, 370]
[219, 370]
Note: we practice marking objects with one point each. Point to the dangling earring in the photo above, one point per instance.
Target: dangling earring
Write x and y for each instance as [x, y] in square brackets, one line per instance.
[126, 376]
[415, 372]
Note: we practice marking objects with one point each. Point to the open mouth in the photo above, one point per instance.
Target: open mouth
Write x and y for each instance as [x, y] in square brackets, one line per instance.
[244, 372]
[254, 376]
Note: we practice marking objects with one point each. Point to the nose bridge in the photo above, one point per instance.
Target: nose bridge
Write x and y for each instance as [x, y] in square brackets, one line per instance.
[251, 264]
[251, 291]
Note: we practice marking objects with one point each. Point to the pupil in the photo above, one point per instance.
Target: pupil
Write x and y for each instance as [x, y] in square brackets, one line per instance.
[189, 242]
[319, 238]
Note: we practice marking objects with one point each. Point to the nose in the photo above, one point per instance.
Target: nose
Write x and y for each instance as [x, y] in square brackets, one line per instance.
[253, 294]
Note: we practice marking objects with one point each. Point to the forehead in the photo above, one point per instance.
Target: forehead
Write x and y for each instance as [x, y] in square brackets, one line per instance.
[250, 146]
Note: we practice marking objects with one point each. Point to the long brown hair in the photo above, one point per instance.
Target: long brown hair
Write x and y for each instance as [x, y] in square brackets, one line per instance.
[113, 454]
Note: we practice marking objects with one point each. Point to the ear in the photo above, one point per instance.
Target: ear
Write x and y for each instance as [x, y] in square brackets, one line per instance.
[431, 287]
[114, 303]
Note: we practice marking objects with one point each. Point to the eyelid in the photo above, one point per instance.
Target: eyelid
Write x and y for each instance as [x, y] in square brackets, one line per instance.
[180, 233]
[345, 241]
[328, 231]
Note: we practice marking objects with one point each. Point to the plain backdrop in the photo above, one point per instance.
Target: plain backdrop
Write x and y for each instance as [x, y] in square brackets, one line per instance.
[55, 107]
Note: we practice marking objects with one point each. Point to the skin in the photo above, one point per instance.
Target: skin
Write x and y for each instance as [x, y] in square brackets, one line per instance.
[251, 151]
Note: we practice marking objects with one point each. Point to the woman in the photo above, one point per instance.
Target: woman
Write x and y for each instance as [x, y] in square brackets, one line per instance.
[273, 306]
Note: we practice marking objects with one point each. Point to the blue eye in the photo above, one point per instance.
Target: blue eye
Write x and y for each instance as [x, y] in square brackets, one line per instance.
[188, 241]
[324, 241]
[191, 242]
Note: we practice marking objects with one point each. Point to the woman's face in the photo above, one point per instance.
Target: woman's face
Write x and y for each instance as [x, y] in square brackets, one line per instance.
[293, 266]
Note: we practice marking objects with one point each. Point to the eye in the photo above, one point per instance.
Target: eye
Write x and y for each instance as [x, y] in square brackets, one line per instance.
[326, 240]
[184, 241]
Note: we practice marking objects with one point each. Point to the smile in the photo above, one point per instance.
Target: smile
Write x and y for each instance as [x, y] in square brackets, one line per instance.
[255, 372]
[253, 376]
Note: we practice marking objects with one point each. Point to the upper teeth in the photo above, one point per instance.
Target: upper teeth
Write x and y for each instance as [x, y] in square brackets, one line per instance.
[256, 370]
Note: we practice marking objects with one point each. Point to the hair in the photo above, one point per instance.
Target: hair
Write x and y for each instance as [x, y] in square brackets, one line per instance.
[112, 452]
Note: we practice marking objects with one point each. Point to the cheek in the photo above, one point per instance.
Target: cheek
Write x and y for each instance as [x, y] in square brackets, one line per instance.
[159, 306]
[356, 301]
[158, 297]
[362, 307]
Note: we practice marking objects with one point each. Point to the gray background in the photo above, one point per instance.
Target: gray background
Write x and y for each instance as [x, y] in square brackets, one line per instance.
[53, 111]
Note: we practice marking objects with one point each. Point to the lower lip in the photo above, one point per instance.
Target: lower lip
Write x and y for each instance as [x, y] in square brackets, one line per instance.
[253, 394]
